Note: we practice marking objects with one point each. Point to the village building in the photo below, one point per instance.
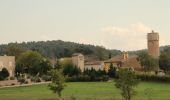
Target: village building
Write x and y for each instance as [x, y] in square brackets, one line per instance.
[78, 60]
[8, 62]
[123, 61]
[96, 65]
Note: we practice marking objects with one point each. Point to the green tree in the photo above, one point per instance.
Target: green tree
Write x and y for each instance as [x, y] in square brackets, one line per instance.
[112, 71]
[110, 55]
[126, 82]
[164, 61]
[58, 65]
[33, 63]
[45, 66]
[58, 81]
[68, 67]
[58, 49]
[76, 71]
[14, 50]
[149, 63]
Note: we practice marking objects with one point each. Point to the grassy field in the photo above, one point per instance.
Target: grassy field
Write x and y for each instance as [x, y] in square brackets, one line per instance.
[87, 91]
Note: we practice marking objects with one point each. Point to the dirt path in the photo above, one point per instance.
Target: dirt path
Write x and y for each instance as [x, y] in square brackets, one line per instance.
[22, 85]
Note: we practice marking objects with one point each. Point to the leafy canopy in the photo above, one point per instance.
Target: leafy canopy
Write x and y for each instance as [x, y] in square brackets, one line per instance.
[126, 82]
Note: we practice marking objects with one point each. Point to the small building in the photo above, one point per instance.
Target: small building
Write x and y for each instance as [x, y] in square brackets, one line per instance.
[123, 61]
[96, 65]
[78, 60]
[8, 62]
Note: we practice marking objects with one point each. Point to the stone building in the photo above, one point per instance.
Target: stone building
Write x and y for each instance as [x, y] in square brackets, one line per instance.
[153, 44]
[96, 65]
[8, 62]
[123, 61]
[78, 60]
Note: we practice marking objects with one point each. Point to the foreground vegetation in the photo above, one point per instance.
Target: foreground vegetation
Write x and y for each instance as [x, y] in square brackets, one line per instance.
[87, 91]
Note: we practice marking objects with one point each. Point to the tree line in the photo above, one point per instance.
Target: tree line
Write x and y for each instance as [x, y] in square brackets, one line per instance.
[58, 49]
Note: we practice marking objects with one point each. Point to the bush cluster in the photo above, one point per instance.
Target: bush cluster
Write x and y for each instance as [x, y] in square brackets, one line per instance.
[86, 78]
[36, 79]
[22, 80]
[46, 78]
[155, 78]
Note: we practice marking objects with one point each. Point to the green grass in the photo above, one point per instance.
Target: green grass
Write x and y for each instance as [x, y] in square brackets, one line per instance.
[87, 91]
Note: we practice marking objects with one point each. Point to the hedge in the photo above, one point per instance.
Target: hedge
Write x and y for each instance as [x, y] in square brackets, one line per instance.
[85, 78]
[155, 78]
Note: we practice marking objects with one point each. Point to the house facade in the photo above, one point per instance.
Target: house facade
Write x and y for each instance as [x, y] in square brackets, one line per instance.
[123, 61]
[96, 65]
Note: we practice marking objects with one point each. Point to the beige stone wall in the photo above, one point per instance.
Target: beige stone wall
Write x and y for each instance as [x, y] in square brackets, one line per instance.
[9, 82]
[78, 60]
[96, 67]
[8, 62]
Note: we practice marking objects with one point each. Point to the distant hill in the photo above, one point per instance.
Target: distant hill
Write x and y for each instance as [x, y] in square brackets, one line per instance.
[58, 49]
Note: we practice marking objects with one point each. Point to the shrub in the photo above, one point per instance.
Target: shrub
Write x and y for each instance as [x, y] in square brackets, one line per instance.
[78, 79]
[156, 78]
[21, 80]
[12, 78]
[105, 78]
[28, 76]
[26, 82]
[86, 78]
[35, 79]
[46, 78]
[168, 73]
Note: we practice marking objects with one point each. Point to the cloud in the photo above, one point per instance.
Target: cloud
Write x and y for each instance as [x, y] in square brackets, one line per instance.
[140, 28]
[131, 29]
[132, 37]
[115, 30]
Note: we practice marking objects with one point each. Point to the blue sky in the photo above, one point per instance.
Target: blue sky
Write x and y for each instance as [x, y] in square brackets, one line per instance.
[114, 24]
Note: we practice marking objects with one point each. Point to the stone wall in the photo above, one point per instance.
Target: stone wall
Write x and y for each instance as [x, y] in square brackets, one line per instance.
[9, 83]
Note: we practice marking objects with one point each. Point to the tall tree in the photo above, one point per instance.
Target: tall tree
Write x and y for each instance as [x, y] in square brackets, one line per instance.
[33, 63]
[112, 71]
[149, 63]
[164, 61]
[126, 82]
[58, 81]
[14, 50]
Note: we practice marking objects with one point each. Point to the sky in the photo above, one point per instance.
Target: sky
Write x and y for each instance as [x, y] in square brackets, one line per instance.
[114, 24]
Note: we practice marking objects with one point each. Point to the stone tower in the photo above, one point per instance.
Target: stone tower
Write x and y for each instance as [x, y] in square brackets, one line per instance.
[153, 44]
[78, 60]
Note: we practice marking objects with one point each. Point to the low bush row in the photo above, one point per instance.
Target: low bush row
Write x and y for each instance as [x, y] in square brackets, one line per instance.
[85, 78]
[155, 78]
